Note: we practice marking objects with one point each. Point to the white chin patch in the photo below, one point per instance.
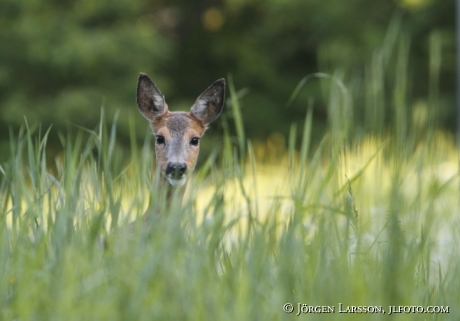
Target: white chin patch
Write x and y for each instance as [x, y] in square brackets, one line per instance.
[177, 182]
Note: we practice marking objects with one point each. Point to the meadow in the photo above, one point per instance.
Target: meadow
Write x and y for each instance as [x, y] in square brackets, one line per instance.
[369, 223]
[350, 227]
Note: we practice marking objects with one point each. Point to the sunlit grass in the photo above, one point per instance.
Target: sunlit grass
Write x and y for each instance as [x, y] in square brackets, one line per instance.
[362, 220]
[358, 223]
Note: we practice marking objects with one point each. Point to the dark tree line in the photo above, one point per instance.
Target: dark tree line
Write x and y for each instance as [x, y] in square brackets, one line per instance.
[61, 61]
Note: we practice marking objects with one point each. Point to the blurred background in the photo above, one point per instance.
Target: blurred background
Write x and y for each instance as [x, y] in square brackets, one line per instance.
[61, 61]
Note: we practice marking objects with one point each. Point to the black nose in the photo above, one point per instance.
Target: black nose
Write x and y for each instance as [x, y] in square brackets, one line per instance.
[176, 169]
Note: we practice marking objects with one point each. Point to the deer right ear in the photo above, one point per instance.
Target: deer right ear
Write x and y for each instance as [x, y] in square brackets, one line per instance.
[150, 100]
[210, 103]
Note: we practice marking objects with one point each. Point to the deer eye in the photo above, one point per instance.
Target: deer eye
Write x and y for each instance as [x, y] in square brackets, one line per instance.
[160, 140]
[194, 141]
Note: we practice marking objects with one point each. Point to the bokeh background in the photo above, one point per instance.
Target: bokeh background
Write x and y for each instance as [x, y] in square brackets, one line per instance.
[61, 61]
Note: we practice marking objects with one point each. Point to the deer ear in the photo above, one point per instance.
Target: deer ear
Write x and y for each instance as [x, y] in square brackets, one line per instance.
[210, 103]
[150, 100]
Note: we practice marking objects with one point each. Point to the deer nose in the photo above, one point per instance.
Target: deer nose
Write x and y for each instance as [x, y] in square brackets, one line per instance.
[176, 169]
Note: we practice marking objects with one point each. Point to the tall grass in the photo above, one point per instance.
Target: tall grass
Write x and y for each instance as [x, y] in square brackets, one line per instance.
[371, 222]
[235, 249]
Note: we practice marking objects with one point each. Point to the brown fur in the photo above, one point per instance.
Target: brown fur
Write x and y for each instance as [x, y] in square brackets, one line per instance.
[178, 123]
[178, 128]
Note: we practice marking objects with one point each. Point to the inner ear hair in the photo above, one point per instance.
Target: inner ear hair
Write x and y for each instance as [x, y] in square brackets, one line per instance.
[150, 100]
[210, 103]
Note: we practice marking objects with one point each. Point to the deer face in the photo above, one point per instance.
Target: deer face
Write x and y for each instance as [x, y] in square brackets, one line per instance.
[178, 134]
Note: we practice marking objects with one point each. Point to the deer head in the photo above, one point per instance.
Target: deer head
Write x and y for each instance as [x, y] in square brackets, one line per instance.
[178, 134]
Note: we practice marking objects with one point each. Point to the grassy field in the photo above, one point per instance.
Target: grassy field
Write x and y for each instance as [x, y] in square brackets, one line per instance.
[364, 223]
[353, 227]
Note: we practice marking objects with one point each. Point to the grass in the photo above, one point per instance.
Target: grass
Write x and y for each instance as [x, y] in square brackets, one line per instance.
[355, 224]
[359, 222]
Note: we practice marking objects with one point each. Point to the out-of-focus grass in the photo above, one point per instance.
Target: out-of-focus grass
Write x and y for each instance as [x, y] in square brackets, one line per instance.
[355, 224]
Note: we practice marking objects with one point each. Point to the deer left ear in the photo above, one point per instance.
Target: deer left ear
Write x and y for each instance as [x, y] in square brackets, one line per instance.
[150, 100]
[210, 103]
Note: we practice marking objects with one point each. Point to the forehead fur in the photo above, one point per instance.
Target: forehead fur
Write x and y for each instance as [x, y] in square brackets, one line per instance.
[178, 122]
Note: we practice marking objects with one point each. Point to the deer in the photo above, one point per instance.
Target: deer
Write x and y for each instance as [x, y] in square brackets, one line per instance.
[177, 134]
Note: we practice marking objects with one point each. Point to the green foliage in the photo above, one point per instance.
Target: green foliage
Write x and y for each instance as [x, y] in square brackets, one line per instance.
[61, 61]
